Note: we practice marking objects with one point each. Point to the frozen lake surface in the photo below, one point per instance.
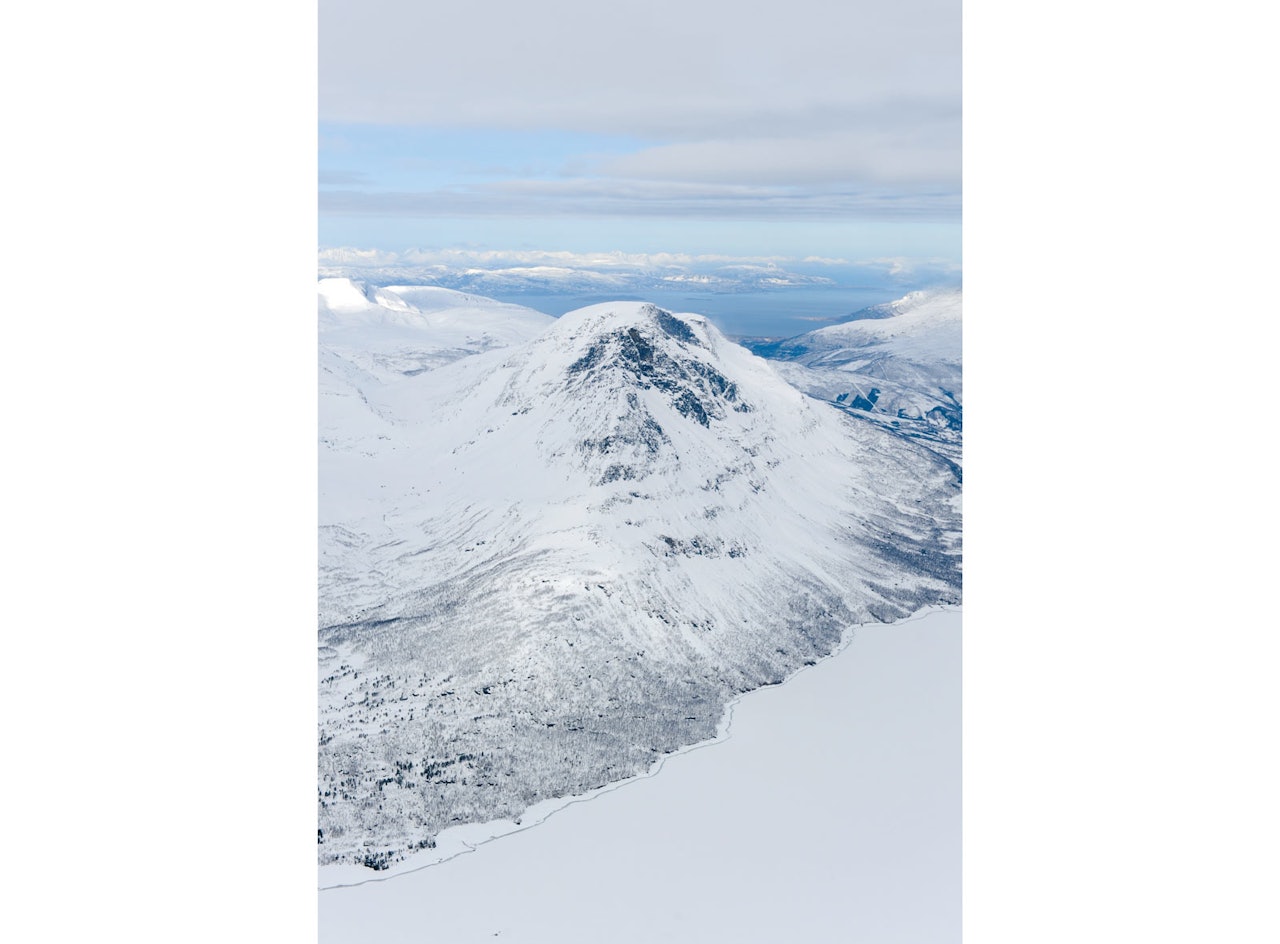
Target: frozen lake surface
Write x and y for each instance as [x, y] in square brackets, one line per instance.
[831, 812]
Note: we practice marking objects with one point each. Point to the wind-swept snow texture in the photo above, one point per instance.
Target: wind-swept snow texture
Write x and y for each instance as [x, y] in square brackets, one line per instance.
[546, 565]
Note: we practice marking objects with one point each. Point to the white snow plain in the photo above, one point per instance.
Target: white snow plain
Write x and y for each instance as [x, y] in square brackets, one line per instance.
[830, 812]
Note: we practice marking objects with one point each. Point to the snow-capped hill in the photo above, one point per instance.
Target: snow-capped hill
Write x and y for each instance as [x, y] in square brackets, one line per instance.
[432, 298]
[543, 567]
[341, 295]
[939, 299]
[404, 329]
[426, 307]
[921, 324]
[899, 360]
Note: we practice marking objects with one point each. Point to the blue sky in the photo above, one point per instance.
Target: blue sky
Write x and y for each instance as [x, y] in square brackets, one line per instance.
[714, 128]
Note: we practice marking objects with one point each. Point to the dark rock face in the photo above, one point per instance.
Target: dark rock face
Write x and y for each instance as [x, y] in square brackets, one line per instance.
[635, 439]
[641, 356]
[673, 327]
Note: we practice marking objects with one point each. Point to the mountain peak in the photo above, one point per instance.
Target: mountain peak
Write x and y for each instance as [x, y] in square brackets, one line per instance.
[644, 347]
[627, 388]
[627, 314]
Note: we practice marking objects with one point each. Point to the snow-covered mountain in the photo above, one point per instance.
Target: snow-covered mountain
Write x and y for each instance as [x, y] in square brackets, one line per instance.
[406, 328]
[546, 565]
[371, 337]
[900, 361]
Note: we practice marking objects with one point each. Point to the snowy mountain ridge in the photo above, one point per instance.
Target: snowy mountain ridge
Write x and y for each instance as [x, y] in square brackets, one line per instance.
[897, 363]
[404, 328]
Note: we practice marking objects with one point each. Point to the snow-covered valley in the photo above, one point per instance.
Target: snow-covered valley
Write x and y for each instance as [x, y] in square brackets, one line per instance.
[552, 551]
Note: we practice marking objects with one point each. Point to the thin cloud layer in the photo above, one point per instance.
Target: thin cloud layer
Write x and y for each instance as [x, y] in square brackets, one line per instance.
[923, 154]
[665, 68]
[591, 197]
[709, 111]
[497, 258]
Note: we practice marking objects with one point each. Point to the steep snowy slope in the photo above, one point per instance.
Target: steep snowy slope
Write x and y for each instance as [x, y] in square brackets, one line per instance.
[543, 567]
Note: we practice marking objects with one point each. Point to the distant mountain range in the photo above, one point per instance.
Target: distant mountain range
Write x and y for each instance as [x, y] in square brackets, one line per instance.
[551, 550]
[548, 279]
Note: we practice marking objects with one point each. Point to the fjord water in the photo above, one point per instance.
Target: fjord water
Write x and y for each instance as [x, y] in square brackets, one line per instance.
[782, 313]
[830, 813]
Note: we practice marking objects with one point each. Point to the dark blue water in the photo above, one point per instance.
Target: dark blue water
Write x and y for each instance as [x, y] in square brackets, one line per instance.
[780, 313]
